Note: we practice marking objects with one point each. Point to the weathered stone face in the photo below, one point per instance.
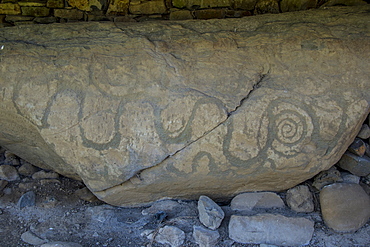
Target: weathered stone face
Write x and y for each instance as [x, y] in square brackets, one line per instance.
[145, 111]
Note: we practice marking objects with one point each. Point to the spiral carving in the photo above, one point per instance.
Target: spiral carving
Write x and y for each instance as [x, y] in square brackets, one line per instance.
[290, 126]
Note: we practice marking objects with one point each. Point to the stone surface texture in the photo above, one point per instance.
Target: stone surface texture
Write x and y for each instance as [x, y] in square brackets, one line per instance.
[249, 201]
[345, 207]
[144, 111]
[271, 229]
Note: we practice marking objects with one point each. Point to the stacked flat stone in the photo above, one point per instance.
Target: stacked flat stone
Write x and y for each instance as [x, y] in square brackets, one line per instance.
[50, 11]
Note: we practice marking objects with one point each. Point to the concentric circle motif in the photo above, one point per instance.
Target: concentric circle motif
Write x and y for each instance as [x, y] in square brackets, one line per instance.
[290, 126]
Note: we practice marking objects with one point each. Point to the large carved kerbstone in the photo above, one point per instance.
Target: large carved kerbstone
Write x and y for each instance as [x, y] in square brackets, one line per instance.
[146, 111]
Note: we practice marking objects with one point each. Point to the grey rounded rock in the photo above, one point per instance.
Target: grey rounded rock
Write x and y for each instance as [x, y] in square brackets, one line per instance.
[27, 200]
[345, 207]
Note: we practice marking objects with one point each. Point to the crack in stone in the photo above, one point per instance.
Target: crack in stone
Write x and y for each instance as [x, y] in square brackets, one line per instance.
[229, 114]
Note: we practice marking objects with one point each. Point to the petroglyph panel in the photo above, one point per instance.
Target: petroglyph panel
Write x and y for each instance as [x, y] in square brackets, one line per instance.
[147, 111]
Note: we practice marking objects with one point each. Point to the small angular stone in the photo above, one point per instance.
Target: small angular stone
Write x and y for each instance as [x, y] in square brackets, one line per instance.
[367, 152]
[28, 199]
[296, 5]
[45, 175]
[169, 235]
[8, 173]
[345, 207]
[27, 169]
[205, 237]
[249, 201]
[326, 177]
[271, 229]
[364, 132]
[357, 147]
[300, 199]
[210, 214]
[350, 178]
[359, 166]
[31, 238]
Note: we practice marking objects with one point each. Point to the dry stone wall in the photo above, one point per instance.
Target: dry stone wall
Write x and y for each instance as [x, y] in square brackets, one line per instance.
[22, 12]
[147, 111]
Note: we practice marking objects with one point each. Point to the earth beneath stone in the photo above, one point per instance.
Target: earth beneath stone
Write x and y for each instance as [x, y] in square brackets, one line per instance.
[60, 215]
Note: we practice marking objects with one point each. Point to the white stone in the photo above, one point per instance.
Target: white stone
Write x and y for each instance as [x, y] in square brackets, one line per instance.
[210, 214]
[169, 235]
[249, 201]
[271, 229]
[205, 237]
